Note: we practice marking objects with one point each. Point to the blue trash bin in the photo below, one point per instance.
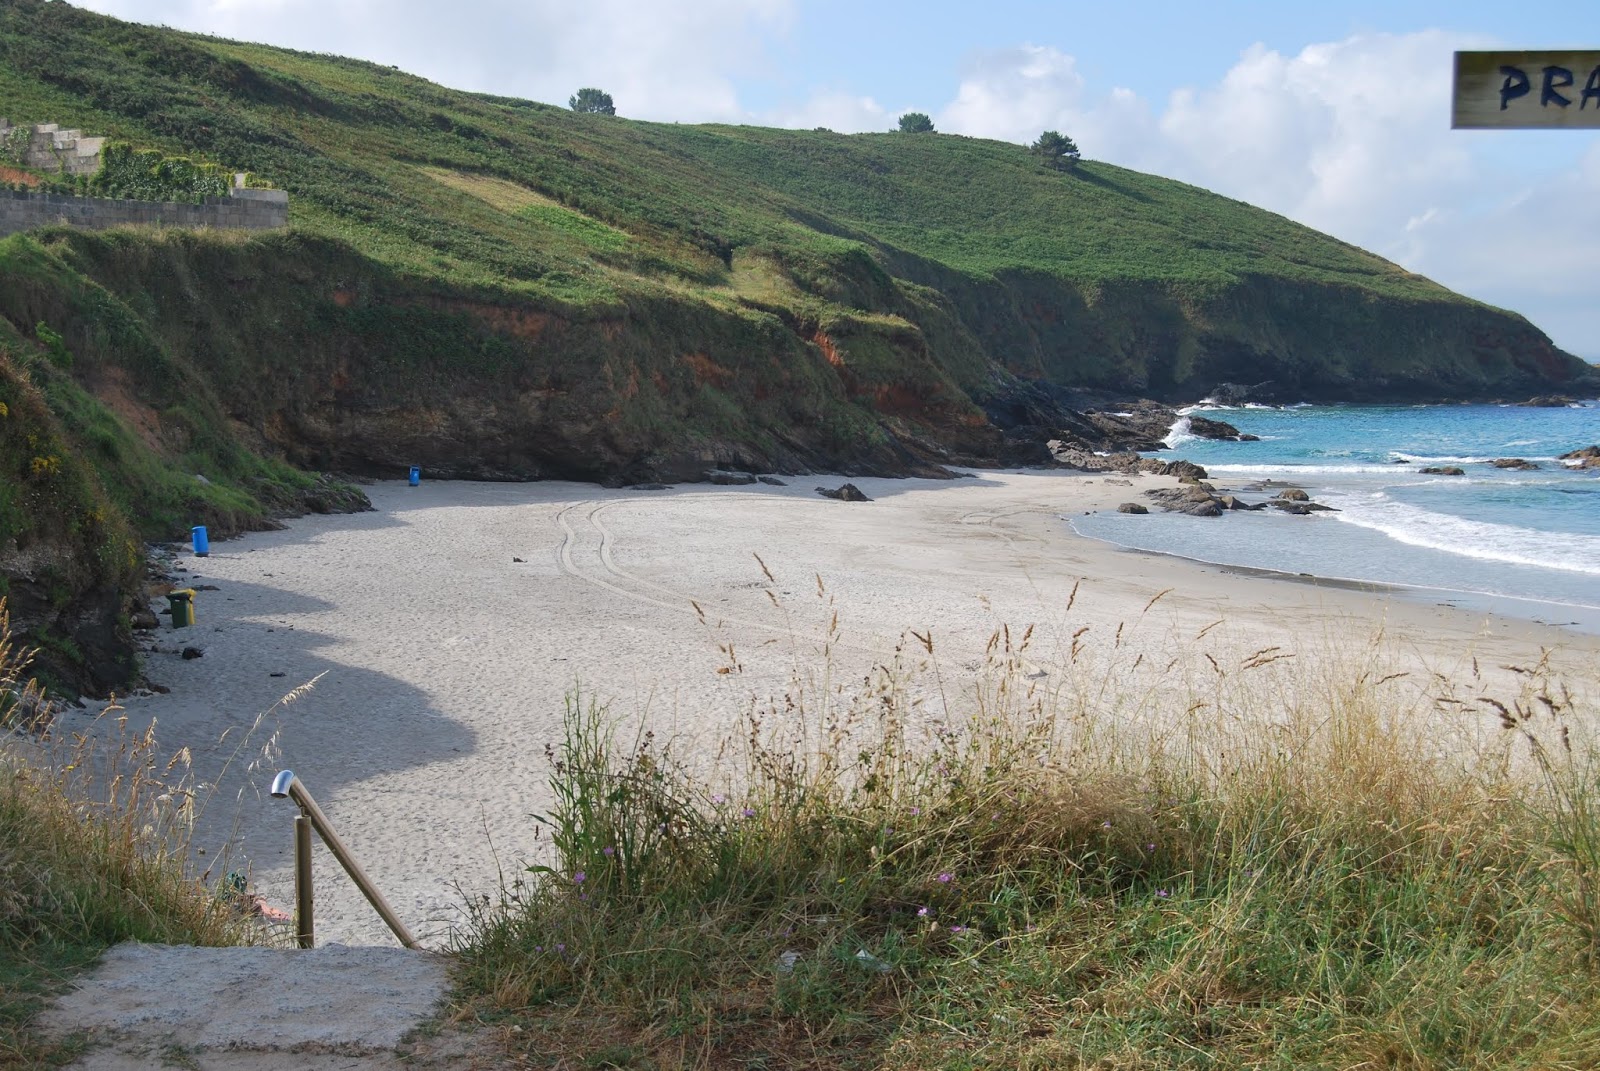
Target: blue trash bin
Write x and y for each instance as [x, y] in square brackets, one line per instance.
[202, 542]
[416, 475]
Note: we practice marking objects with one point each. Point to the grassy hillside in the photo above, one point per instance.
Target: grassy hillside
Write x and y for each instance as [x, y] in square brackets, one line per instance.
[1102, 276]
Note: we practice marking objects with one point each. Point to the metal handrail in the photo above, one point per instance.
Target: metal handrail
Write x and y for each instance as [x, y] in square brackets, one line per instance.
[312, 818]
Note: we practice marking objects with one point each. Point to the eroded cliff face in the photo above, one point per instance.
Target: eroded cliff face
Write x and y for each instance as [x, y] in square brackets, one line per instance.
[332, 361]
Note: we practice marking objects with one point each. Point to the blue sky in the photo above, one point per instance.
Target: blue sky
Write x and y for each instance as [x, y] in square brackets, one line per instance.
[1334, 114]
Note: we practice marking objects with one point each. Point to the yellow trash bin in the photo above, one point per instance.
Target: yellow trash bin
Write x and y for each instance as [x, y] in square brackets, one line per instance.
[180, 604]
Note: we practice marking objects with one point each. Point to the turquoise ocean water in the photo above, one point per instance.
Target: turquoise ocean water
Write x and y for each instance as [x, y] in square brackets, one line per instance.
[1524, 543]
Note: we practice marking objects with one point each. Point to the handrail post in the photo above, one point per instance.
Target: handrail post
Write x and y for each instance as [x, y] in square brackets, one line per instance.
[287, 785]
[304, 928]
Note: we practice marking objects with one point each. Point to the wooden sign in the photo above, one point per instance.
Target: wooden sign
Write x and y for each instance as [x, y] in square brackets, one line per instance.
[1527, 90]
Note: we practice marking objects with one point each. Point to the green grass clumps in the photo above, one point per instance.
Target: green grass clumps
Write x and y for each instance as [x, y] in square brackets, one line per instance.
[1303, 870]
[93, 850]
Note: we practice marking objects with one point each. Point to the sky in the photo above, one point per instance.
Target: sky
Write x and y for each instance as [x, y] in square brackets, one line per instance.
[1334, 114]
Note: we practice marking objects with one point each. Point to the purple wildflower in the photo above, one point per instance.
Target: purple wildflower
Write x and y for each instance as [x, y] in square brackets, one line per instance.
[579, 878]
[923, 912]
[561, 948]
[749, 812]
[946, 878]
[1162, 894]
[608, 851]
[719, 799]
[915, 811]
[957, 929]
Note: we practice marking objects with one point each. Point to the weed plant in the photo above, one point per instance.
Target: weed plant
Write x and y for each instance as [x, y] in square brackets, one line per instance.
[1265, 860]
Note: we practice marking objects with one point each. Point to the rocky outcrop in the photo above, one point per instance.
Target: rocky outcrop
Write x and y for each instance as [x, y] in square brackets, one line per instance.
[1194, 501]
[1586, 458]
[1443, 470]
[844, 493]
[1516, 464]
[1200, 499]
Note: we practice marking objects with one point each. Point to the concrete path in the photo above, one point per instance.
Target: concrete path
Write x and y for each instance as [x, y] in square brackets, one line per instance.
[250, 1009]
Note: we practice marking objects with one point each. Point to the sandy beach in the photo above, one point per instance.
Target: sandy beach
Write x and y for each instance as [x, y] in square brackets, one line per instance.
[445, 630]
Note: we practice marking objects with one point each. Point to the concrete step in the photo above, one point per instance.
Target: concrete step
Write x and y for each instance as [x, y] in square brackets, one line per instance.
[250, 1009]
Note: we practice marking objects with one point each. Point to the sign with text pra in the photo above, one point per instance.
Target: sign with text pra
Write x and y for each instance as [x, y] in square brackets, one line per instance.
[1527, 90]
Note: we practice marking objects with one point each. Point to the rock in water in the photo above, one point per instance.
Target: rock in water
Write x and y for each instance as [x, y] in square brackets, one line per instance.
[847, 493]
[1195, 501]
[1443, 470]
[1206, 428]
[1132, 507]
[1294, 494]
[1517, 463]
[1586, 458]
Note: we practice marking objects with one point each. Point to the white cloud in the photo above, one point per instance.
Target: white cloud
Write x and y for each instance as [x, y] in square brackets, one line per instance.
[837, 110]
[665, 60]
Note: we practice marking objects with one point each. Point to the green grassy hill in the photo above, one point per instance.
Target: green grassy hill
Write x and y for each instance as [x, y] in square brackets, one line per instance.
[496, 288]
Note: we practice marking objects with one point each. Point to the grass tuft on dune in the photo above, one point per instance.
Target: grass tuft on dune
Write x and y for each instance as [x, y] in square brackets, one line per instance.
[1267, 861]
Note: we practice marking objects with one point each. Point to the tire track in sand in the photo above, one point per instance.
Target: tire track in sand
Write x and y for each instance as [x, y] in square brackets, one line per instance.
[612, 576]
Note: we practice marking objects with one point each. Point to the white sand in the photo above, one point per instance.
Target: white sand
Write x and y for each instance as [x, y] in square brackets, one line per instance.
[444, 662]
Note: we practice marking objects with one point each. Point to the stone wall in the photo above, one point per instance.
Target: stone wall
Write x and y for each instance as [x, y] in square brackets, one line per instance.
[252, 210]
[61, 152]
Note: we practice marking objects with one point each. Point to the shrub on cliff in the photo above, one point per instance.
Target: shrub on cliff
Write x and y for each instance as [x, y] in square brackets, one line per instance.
[1056, 150]
[147, 175]
[593, 101]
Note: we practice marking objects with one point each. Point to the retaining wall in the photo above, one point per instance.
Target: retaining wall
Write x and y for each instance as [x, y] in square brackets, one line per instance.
[251, 210]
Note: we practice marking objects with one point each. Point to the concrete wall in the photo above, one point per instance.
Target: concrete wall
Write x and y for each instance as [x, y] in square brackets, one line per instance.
[64, 152]
[252, 210]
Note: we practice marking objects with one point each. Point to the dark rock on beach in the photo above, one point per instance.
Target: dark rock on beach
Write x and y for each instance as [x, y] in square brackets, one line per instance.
[724, 478]
[847, 493]
[1133, 507]
[772, 481]
[1194, 501]
[1184, 470]
[1293, 494]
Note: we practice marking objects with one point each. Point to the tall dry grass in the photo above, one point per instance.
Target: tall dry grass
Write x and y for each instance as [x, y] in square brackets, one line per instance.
[1218, 857]
[94, 849]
